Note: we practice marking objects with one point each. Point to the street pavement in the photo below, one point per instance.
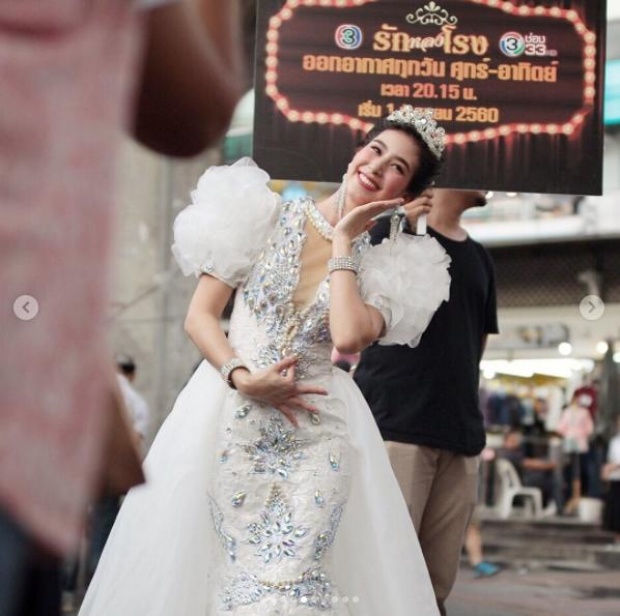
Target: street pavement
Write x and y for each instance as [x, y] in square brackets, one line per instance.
[526, 587]
[538, 591]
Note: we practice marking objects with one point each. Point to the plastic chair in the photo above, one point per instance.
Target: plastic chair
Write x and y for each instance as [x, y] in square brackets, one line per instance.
[511, 487]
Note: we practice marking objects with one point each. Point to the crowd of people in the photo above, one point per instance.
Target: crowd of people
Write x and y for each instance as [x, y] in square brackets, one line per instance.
[553, 444]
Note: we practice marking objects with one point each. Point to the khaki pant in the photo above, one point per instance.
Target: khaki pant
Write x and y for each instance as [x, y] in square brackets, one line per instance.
[440, 489]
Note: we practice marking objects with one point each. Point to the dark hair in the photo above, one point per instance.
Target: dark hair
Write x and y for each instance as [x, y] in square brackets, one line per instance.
[430, 165]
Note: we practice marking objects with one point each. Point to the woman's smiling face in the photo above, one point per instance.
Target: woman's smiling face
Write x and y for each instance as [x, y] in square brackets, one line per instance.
[383, 168]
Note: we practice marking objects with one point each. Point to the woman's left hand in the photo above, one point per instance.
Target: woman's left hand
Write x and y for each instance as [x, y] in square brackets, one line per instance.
[419, 206]
[360, 218]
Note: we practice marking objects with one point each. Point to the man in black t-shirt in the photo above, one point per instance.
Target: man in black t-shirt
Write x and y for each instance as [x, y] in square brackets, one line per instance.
[425, 399]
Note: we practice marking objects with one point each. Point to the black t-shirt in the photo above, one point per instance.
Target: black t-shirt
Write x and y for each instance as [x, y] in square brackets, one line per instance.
[428, 395]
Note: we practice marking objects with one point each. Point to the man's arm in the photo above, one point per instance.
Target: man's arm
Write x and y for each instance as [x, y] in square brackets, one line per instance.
[538, 464]
[192, 76]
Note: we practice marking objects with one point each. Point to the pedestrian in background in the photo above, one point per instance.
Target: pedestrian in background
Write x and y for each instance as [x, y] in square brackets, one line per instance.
[137, 407]
[474, 548]
[576, 427]
[425, 399]
[105, 509]
[611, 474]
[473, 535]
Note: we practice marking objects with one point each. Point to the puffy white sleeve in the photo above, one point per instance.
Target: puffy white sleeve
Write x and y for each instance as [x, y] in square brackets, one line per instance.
[406, 281]
[227, 224]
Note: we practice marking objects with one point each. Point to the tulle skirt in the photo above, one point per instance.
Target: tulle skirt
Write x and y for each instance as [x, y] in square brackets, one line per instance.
[159, 558]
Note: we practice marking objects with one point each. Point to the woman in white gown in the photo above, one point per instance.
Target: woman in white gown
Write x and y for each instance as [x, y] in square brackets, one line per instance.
[268, 491]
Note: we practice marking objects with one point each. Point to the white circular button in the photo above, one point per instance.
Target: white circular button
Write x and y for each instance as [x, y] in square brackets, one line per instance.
[592, 307]
[26, 307]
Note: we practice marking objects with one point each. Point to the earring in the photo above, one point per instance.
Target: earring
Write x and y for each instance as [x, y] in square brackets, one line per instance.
[394, 226]
[420, 228]
[342, 193]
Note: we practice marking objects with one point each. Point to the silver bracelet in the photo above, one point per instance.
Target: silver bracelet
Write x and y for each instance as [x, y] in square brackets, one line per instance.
[227, 369]
[342, 263]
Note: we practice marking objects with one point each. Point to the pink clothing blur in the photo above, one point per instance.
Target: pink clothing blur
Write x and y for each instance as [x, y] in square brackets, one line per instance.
[576, 427]
[67, 69]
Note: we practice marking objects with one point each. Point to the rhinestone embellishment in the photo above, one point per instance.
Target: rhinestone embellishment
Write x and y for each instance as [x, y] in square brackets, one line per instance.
[275, 535]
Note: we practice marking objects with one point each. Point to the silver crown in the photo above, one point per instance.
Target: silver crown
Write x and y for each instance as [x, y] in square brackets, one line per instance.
[424, 123]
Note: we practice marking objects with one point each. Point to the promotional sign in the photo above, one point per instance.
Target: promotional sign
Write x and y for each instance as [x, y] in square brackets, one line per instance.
[517, 85]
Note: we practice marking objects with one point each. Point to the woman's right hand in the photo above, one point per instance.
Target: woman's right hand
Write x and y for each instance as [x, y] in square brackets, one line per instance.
[276, 386]
[361, 218]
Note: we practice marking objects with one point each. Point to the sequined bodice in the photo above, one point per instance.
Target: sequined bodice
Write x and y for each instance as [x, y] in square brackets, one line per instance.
[266, 324]
[280, 491]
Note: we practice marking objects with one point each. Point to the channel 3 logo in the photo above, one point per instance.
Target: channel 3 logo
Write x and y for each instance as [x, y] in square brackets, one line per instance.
[513, 45]
[348, 36]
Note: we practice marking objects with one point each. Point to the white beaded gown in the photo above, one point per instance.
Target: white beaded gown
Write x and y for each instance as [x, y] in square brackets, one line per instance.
[243, 514]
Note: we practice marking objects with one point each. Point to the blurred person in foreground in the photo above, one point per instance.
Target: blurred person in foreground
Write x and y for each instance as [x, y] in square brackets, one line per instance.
[425, 399]
[74, 74]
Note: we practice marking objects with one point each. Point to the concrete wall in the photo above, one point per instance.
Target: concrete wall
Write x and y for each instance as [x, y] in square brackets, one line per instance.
[149, 294]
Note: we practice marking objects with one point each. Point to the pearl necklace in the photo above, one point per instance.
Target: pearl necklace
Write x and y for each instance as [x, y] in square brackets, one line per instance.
[318, 221]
